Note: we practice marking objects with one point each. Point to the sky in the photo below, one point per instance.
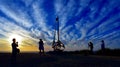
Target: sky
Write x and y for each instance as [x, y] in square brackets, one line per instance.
[81, 21]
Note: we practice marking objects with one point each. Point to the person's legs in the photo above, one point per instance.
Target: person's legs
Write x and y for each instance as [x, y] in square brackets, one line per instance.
[43, 50]
[13, 58]
[92, 51]
[40, 50]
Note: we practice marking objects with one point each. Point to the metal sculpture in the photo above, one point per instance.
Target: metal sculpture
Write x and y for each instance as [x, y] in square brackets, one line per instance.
[57, 45]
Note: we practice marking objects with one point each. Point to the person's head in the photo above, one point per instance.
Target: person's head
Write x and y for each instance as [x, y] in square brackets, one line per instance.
[40, 39]
[14, 40]
[102, 41]
[90, 42]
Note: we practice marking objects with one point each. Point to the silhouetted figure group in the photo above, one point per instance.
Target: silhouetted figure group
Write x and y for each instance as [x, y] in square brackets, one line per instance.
[15, 50]
[90, 45]
[41, 47]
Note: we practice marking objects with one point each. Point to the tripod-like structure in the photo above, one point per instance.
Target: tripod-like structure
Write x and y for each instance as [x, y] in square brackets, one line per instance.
[57, 45]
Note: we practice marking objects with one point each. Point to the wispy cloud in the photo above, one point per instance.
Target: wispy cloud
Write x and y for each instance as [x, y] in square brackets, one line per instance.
[18, 16]
[81, 21]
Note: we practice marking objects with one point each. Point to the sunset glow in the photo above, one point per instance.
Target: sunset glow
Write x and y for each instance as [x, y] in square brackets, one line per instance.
[17, 37]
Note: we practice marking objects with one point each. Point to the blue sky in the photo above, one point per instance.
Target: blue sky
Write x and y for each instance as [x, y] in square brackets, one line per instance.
[81, 21]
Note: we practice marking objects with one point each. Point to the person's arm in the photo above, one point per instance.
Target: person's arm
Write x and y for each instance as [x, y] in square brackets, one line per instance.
[17, 44]
[12, 45]
[42, 43]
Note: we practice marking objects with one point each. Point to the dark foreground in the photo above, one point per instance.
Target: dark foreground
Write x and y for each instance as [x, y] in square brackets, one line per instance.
[59, 60]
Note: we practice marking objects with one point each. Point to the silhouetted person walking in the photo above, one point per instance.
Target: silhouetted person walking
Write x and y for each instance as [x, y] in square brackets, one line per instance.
[90, 45]
[41, 46]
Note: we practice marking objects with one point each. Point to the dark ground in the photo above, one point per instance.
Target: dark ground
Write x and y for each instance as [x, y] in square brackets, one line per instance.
[58, 60]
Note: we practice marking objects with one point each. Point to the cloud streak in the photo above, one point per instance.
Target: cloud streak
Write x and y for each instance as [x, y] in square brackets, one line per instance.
[81, 21]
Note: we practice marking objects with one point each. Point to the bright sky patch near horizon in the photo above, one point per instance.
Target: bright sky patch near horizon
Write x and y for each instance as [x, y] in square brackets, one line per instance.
[81, 21]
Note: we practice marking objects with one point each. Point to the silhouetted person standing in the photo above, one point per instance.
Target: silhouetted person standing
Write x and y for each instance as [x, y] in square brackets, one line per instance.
[90, 45]
[102, 45]
[41, 46]
[14, 47]
[14, 51]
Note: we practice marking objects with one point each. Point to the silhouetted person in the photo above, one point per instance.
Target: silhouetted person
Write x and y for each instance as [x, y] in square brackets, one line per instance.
[90, 45]
[14, 47]
[14, 51]
[102, 45]
[41, 46]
